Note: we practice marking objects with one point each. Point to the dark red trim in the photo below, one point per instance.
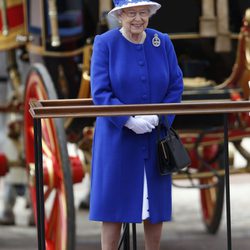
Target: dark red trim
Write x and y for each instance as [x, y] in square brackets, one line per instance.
[15, 16]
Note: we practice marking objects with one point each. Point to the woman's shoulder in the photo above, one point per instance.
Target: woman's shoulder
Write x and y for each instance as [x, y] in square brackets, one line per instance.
[161, 35]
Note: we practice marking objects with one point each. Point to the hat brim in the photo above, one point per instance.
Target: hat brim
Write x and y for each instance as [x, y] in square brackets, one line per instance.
[153, 7]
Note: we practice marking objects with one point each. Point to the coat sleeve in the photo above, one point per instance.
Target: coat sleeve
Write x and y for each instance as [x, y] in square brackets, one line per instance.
[101, 89]
[175, 87]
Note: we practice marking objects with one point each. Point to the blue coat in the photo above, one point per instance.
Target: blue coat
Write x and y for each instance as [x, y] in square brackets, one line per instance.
[126, 73]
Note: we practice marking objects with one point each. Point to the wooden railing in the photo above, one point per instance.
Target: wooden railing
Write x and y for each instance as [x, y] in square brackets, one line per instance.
[85, 108]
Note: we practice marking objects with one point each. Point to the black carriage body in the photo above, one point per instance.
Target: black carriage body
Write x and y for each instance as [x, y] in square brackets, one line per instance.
[177, 16]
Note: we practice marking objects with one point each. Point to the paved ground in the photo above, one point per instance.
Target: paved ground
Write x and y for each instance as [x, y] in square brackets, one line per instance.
[186, 231]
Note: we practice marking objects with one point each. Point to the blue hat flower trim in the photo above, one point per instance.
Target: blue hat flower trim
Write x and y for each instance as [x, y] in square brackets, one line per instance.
[119, 3]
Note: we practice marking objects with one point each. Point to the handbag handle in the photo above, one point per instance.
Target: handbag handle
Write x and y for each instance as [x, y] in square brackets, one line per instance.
[165, 122]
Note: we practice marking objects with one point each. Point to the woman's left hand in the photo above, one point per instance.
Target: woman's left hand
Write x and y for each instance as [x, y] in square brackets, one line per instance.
[152, 119]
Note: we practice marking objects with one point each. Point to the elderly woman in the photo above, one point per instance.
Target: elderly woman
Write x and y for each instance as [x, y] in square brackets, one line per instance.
[131, 65]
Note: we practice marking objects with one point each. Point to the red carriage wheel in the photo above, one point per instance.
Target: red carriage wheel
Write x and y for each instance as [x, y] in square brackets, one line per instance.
[212, 198]
[58, 187]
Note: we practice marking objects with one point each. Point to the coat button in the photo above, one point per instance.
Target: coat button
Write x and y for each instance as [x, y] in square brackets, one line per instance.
[141, 63]
[143, 78]
[144, 97]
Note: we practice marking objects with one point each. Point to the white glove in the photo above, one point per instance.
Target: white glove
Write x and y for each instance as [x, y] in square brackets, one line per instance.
[152, 119]
[139, 125]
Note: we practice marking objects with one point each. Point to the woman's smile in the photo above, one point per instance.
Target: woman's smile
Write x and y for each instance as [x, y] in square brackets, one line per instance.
[137, 26]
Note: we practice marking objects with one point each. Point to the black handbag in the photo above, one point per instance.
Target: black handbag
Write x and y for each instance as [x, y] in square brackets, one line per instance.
[172, 155]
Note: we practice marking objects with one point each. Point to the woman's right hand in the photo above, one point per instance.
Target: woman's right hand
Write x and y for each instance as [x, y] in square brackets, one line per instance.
[139, 125]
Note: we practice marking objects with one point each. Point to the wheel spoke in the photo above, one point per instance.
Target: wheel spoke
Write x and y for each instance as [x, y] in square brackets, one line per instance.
[47, 193]
[209, 203]
[63, 223]
[48, 134]
[51, 223]
[46, 149]
[56, 228]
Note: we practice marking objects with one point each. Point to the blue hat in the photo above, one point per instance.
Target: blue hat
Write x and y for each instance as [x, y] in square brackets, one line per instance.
[121, 4]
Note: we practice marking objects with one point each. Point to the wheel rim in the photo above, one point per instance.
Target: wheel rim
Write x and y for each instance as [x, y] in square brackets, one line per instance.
[54, 189]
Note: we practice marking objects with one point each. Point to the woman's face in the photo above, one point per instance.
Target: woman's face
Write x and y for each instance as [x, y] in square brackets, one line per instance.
[135, 19]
